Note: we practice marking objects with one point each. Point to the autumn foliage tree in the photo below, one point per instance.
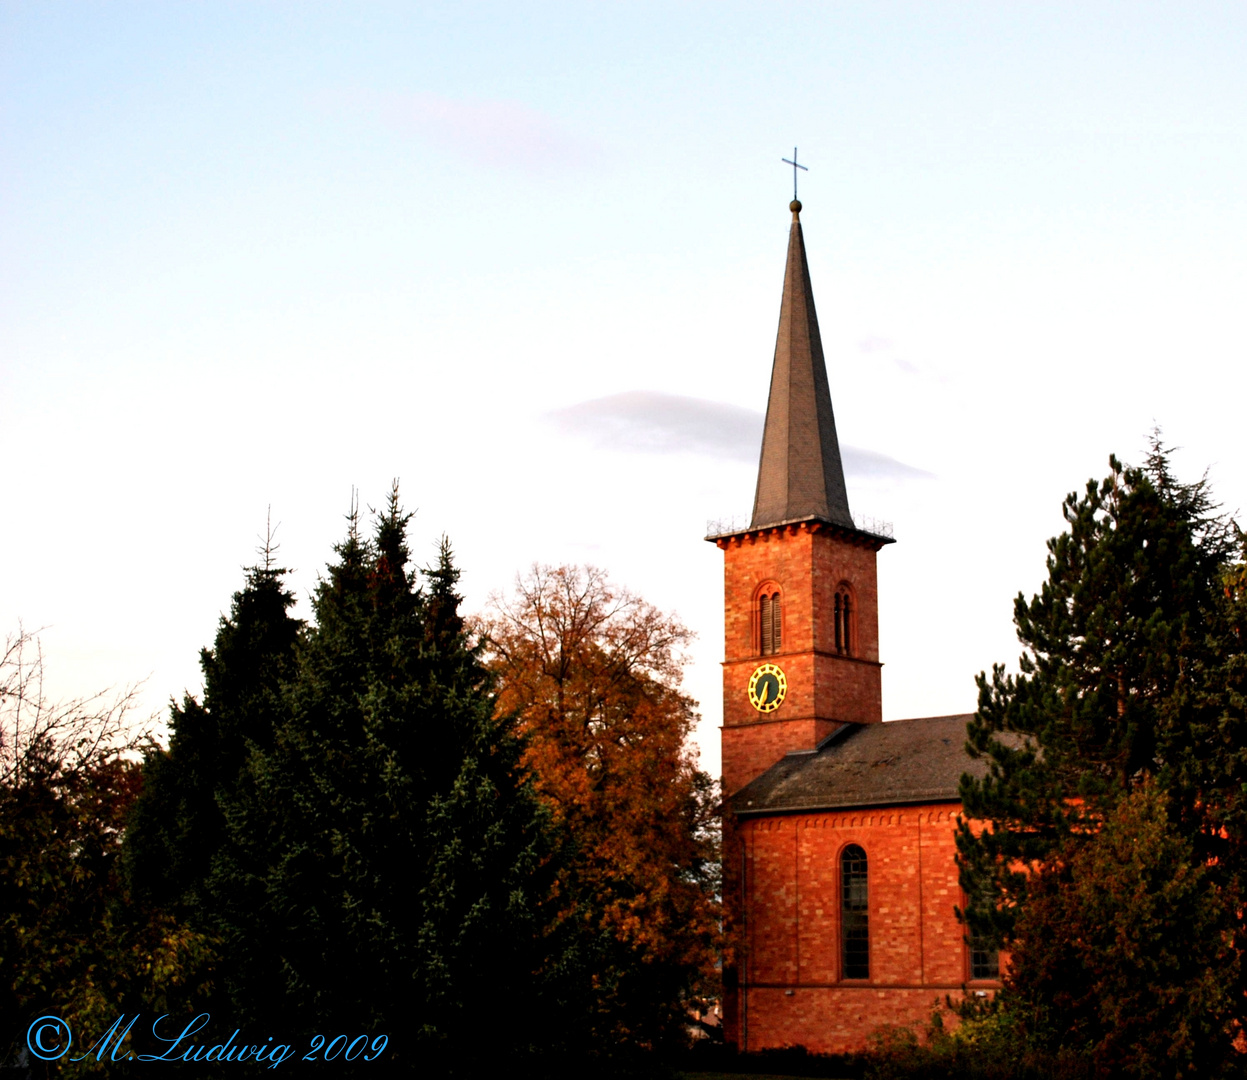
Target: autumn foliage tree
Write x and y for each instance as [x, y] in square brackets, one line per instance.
[592, 672]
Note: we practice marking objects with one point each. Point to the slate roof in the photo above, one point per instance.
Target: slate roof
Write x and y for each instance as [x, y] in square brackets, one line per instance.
[800, 475]
[902, 761]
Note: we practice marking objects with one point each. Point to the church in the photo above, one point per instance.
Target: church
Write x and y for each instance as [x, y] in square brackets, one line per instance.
[840, 879]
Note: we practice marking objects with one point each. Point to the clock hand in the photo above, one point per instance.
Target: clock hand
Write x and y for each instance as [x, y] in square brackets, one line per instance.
[766, 689]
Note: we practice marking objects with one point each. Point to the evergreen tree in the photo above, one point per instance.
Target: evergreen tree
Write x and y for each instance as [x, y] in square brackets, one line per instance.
[351, 822]
[182, 853]
[1125, 949]
[1126, 686]
[404, 852]
[182, 856]
[178, 830]
[487, 933]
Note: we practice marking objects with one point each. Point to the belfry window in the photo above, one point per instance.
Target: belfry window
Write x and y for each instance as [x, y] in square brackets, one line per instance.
[844, 622]
[770, 623]
[854, 916]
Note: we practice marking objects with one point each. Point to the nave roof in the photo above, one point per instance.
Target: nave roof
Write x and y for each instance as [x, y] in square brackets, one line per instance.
[860, 765]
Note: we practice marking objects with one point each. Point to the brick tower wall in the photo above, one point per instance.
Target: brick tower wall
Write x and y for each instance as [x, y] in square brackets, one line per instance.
[808, 562]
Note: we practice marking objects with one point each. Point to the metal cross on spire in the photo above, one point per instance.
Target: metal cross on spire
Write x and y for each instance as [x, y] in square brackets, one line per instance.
[795, 167]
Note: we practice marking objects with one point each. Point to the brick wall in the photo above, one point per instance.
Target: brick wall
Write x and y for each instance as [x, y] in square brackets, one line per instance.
[808, 563]
[749, 750]
[783, 981]
[785, 874]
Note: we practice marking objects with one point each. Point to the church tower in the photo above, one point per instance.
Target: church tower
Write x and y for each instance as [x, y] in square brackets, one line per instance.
[840, 880]
[801, 643]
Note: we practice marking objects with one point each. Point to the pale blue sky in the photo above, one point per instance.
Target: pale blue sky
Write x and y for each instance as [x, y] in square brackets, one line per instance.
[255, 254]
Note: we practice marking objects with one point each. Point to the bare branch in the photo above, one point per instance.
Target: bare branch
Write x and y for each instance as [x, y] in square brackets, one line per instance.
[68, 735]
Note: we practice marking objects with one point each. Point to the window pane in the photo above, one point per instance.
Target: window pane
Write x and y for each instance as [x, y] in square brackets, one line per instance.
[776, 632]
[854, 916]
[984, 962]
[764, 621]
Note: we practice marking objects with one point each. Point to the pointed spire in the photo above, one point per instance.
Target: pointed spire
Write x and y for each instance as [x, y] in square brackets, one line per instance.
[800, 474]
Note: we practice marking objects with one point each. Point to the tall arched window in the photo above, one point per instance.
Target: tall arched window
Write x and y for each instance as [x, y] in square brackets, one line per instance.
[844, 621]
[770, 623]
[854, 916]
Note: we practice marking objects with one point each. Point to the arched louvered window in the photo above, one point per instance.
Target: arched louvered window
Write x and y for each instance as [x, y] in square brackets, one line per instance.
[770, 623]
[844, 621]
[854, 914]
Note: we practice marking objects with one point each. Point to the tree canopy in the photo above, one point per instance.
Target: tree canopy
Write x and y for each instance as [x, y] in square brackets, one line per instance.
[1107, 847]
[592, 672]
[489, 841]
[73, 942]
[370, 853]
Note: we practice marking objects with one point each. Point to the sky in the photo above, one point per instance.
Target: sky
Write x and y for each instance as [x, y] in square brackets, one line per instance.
[527, 259]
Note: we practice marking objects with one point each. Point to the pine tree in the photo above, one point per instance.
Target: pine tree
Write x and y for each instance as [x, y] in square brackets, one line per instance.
[1125, 949]
[1126, 692]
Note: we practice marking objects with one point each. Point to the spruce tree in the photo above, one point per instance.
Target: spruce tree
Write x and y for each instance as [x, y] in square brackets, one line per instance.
[404, 850]
[182, 851]
[348, 820]
[178, 833]
[487, 930]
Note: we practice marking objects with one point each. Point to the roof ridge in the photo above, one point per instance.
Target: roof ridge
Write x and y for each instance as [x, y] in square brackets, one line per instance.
[941, 716]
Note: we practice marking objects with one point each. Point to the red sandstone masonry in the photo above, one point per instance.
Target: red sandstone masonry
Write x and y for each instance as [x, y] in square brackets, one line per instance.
[807, 563]
[748, 751]
[790, 917]
[781, 873]
[832, 1020]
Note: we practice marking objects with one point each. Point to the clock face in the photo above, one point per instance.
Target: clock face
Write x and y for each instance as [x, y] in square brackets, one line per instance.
[767, 687]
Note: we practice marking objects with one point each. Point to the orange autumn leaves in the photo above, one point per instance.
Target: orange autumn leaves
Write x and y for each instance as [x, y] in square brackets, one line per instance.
[592, 672]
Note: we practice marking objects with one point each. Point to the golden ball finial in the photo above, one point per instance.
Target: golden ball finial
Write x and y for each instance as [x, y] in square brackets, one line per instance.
[795, 207]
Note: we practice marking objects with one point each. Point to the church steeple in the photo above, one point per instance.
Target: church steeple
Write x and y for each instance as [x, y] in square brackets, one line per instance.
[800, 475]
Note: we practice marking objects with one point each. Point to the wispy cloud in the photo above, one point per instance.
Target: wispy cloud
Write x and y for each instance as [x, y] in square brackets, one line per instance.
[882, 347]
[874, 344]
[646, 421]
[500, 134]
[651, 422]
[860, 464]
